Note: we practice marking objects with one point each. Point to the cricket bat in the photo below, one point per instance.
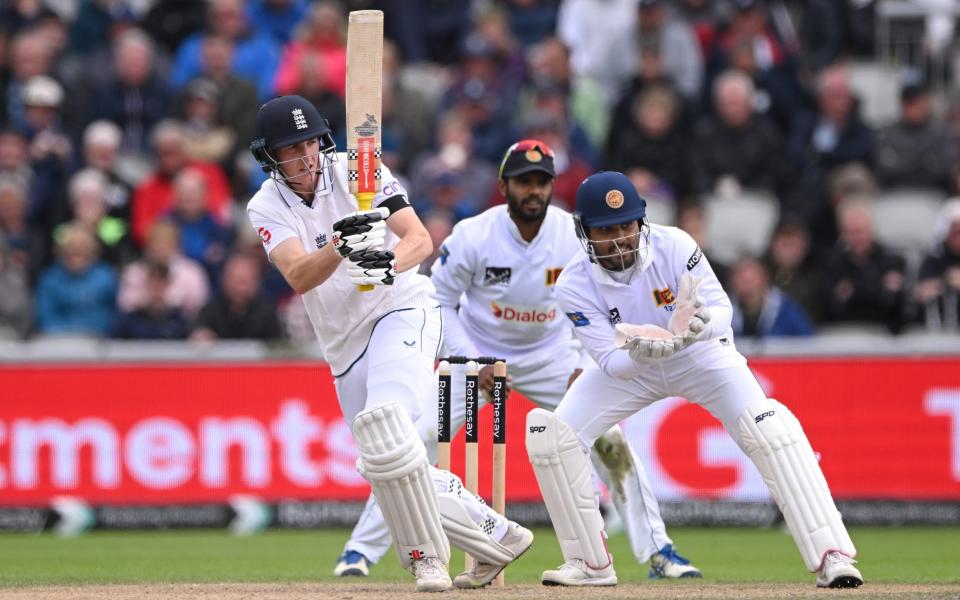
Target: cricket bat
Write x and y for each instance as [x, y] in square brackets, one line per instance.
[364, 106]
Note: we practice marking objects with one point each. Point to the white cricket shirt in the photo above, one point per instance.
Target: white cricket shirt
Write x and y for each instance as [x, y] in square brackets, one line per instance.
[594, 302]
[504, 285]
[342, 317]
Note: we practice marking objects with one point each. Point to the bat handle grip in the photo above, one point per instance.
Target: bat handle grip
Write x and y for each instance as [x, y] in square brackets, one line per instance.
[365, 202]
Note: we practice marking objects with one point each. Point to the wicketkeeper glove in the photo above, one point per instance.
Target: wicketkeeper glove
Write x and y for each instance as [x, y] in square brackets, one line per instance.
[691, 315]
[644, 342]
[360, 231]
[372, 267]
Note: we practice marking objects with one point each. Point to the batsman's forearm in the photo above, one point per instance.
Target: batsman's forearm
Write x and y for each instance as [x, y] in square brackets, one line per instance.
[311, 270]
[412, 250]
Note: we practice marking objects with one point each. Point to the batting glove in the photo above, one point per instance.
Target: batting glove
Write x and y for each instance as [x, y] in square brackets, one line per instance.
[372, 267]
[360, 231]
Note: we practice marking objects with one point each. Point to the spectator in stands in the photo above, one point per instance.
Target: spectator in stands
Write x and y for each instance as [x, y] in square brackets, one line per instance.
[170, 22]
[15, 301]
[313, 85]
[279, 18]
[93, 25]
[791, 265]
[77, 294]
[750, 24]
[654, 149]
[202, 237]
[49, 146]
[237, 96]
[937, 295]
[29, 57]
[26, 243]
[101, 144]
[737, 144]
[188, 289]
[836, 135]
[157, 319]
[409, 112]
[594, 30]
[88, 203]
[206, 137]
[136, 96]
[240, 311]
[20, 16]
[256, 53]
[431, 31]
[761, 310]
[323, 36]
[916, 151]
[551, 106]
[674, 42]
[15, 165]
[550, 65]
[532, 21]
[453, 168]
[862, 281]
[153, 198]
[821, 33]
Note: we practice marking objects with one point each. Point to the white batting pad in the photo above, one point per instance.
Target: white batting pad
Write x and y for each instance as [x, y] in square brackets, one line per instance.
[394, 461]
[772, 437]
[564, 475]
[462, 528]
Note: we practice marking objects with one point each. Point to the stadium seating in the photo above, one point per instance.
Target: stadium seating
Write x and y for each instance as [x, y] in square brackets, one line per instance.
[741, 224]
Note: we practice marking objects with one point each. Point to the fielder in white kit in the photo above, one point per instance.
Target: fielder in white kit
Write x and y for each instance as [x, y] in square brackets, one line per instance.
[495, 279]
[381, 345]
[648, 308]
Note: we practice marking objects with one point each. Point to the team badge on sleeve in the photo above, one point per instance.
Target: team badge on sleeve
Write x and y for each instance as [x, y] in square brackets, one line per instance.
[694, 259]
[264, 234]
[444, 254]
[578, 319]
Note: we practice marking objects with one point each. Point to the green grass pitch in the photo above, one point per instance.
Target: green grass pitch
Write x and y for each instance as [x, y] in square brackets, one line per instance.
[726, 555]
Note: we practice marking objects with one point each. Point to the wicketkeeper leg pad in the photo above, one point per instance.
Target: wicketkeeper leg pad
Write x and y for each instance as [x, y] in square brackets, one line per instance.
[394, 461]
[774, 440]
[564, 475]
[459, 512]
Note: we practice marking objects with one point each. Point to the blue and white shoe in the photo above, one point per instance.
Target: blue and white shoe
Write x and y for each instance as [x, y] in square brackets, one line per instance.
[352, 564]
[667, 564]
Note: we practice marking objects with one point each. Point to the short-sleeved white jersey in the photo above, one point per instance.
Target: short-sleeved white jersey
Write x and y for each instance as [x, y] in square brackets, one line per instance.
[594, 301]
[342, 317]
[505, 285]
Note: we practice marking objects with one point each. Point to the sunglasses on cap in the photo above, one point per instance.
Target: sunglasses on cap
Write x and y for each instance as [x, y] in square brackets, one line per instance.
[527, 155]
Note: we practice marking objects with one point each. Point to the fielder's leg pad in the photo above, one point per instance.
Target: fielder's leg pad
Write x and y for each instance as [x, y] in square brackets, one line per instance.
[774, 440]
[564, 475]
[462, 531]
[394, 461]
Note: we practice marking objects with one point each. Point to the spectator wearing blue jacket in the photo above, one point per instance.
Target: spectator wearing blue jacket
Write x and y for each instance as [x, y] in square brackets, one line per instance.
[761, 310]
[256, 53]
[277, 17]
[78, 293]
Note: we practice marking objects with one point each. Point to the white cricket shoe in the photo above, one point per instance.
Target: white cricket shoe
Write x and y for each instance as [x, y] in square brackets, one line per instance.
[431, 574]
[838, 572]
[667, 564]
[517, 540]
[576, 573]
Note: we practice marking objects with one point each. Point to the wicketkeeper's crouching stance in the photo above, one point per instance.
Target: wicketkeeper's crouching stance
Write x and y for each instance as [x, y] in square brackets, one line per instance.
[657, 277]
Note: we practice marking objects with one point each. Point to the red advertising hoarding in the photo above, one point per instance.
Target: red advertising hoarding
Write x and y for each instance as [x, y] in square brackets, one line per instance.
[184, 433]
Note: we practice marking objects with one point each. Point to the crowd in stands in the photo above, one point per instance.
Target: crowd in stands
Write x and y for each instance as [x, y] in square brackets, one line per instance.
[124, 169]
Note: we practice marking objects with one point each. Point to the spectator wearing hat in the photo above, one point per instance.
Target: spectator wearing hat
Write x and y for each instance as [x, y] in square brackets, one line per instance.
[77, 294]
[50, 150]
[762, 310]
[29, 56]
[936, 299]
[916, 151]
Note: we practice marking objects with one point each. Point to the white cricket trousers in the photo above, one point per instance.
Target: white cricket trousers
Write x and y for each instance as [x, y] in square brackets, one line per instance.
[541, 377]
